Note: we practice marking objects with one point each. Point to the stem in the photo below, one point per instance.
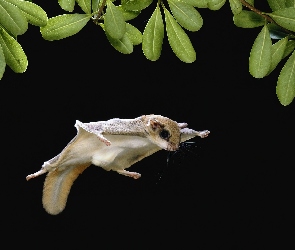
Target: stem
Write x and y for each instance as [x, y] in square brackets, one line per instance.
[268, 18]
[99, 13]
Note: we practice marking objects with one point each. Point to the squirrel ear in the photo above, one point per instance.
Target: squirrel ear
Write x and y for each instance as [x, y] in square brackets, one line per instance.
[154, 123]
[182, 125]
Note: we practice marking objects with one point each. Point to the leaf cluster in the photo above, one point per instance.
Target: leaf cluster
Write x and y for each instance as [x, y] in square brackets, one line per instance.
[274, 44]
[15, 15]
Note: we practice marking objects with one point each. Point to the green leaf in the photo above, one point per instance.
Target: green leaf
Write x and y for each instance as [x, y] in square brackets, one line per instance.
[290, 3]
[277, 52]
[215, 4]
[2, 62]
[14, 55]
[286, 82]
[276, 32]
[251, 2]
[67, 5]
[85, 5]
[153, 34]
[114, 21]
[236, 6]
[33, 13]
[128, 14]
[12, 19]
[248, 19]
[260, 55]
[289, 48]
[186, 15]
[284, 18]
[196, 3]
[276, 4]
[63, 26]
[136, 5]
[95, 5]
[178, 39]
[123, 45]
[134, 34]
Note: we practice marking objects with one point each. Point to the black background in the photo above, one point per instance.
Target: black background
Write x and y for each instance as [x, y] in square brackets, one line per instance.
[235, 191]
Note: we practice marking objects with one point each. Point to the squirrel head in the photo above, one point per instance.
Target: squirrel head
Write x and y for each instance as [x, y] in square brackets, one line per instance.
[163, 131]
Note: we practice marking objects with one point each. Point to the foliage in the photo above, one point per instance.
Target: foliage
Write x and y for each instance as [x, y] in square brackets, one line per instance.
[274, 43]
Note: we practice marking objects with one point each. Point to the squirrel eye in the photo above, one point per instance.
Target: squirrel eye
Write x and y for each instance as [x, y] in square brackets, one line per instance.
[164, 134]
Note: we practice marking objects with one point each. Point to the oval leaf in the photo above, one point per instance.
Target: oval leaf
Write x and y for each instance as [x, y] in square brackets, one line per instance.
[2, 62]
[286, 82]
[248, 19]
[153, 34]
[123, 45]
[134, 34]
[14, 55]
[289, 48]
[215, 4]
[260, 55]
[33, 13]
[85, 5]
[114, 22]
[290, 3]
[277, 52]
[135, 4]
[236, 6]
[63, 26]
[128, 14]
[95, 5]
[197, 3]
[178, 40]
[285, 18]
[67, 5]
[186, 15]
[276, 4]
[12, 19]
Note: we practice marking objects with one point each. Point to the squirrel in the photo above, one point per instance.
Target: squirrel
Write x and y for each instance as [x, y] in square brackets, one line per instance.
[115, 144]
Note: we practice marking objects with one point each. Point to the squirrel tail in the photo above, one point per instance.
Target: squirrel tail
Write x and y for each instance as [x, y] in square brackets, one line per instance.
[57, 187]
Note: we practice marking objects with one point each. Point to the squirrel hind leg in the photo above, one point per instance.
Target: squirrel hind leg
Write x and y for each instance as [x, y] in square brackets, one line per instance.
[57, 187]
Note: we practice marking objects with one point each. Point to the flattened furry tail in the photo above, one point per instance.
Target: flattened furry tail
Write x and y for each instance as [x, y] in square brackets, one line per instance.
[57, 187]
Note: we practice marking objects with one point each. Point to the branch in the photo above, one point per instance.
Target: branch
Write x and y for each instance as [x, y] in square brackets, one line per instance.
[268, 18]
[99, 13]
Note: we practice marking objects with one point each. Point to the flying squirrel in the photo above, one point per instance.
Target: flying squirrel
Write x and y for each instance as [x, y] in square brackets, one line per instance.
[115, 144]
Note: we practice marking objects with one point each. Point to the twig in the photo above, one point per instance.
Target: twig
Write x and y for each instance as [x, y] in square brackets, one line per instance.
[268, 18]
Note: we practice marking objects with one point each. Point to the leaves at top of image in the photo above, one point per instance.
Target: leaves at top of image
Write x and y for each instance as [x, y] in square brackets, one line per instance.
[215, 4]
[196, 3]
[12, 19]
[14, 55]
[179, 40]
[186, 15]
[67, 5]
[286, 82]
[63, 26]
[136, 5]
[260, 55]
[290, 3]
[153, 36]
[236, 6]
[276, 4]
[248, 19]
[285, 18]
[2, 62]
[34, 14]
[85, 5]
[114, 22]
